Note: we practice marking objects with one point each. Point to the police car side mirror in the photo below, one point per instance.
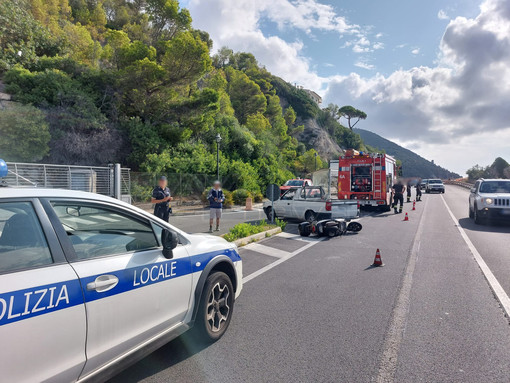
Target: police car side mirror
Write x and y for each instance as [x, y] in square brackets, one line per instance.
[170, 240]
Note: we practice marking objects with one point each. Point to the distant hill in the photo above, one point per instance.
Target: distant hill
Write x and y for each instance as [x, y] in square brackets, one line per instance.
[413, 165]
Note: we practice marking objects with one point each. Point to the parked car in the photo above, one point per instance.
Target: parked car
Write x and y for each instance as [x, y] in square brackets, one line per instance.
[90, 284]
[310, 203]
[490, 200]
[295, 183]
[434, 185]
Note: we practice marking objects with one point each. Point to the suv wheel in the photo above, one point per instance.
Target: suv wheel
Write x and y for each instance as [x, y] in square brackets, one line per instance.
[471, 214]
[215, 308]
[476, 216]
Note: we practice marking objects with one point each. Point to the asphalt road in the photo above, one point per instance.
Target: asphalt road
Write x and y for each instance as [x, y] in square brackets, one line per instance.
[199, 223]
[315, 311]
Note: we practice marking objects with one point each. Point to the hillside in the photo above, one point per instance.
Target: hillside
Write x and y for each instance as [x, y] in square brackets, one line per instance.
[413, 165]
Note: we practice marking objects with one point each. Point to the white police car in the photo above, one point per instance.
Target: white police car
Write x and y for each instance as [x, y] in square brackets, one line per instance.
[89, 284]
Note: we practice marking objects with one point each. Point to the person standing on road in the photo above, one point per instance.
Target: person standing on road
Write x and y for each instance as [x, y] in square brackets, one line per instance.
[409, 191]
[398, 196]
[161, 198]
[418, 190]
[216, 199]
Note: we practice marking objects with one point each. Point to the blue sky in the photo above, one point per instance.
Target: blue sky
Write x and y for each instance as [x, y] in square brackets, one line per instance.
[432, 75]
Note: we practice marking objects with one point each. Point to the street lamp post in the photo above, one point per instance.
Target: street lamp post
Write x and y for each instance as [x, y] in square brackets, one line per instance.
[218, 140]
[315, 161]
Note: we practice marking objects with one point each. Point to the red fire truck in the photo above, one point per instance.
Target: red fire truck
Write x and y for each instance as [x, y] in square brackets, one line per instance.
[367, 178]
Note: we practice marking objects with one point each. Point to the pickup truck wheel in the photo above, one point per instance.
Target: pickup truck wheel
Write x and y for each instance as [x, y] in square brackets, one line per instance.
[268, 213]
[215, 307]
[310, 216]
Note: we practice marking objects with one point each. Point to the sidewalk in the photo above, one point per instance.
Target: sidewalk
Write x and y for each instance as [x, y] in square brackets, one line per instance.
[196, 209]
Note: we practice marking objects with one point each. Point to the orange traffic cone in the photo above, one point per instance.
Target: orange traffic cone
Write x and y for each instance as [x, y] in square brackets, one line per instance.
[414, 205]
[406, 218]
[377, 259]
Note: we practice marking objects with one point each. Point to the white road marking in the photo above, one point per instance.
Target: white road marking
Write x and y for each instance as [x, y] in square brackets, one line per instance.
[278, 262]
[498, 290]
[393, 339]
[271, 251]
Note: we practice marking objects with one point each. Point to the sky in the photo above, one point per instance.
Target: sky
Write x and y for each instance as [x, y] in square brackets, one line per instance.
[433, 76]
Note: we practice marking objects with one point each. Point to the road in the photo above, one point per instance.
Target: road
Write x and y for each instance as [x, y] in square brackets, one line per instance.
[315, 311]
[199, 223]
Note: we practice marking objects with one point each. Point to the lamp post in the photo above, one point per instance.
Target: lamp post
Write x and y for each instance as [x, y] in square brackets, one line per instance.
[315, 161]
[218, 140]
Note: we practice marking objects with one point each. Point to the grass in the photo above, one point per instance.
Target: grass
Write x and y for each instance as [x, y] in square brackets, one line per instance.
[243, 230]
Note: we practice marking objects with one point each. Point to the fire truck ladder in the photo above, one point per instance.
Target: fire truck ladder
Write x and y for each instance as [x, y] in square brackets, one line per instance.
[378, 176]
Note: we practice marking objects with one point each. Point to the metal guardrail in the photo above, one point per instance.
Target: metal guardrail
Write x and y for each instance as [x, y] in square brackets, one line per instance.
[92, 179]
[465, 185]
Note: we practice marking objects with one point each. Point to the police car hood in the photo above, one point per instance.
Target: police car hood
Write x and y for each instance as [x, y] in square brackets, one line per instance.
[203, 243]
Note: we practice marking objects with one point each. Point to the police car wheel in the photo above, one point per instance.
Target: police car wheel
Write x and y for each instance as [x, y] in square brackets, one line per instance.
[216, 305]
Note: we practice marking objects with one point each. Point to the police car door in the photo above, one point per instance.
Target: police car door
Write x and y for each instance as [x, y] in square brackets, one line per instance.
[42, 313]
[132, 293]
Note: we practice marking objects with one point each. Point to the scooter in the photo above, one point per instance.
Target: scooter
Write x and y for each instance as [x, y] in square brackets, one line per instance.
[328, 227]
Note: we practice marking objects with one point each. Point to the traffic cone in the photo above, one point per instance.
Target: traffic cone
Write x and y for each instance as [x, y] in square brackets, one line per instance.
[406, 217]
[377, 259]
[414, 205]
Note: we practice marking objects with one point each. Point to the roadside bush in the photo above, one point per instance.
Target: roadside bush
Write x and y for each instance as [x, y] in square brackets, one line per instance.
[281, 223]
[141, 193]
[257, 197]
[242, 230]
[228, 198]
[240, 196]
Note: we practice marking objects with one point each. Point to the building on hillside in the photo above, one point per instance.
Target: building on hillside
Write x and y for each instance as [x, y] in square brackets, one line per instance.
[313, 95]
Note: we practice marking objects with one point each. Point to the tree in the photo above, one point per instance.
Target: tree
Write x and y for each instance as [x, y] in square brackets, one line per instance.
[167, 19]
[499, 165]
[25, 134]
[351, 113]
[290, 116]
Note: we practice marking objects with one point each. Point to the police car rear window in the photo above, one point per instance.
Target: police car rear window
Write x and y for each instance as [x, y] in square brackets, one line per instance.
[22, 241]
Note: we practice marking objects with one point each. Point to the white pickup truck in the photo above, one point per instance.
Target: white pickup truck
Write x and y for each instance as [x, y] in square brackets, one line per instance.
[311, 203]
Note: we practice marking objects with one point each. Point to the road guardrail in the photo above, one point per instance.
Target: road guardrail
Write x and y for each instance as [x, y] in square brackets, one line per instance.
[465, 185]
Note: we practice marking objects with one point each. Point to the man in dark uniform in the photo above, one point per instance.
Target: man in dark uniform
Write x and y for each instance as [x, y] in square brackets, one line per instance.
[409, 191]
[161, 198]
[398, 196]
[418, 190]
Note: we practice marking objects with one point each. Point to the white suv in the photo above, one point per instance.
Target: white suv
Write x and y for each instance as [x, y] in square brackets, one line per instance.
[89, 284]
[490, 200]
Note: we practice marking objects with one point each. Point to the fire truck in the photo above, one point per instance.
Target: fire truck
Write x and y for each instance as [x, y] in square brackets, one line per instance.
[366, 177]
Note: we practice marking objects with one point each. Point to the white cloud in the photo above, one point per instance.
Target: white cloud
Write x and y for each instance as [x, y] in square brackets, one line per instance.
[456, 112]
[415, 51]
[235, 23]
[364, 65]
[442, 15]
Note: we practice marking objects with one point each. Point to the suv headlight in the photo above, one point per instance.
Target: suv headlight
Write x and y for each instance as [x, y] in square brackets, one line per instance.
[488, 201]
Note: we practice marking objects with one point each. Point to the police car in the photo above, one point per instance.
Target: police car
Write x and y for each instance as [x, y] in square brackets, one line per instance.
[89, 284]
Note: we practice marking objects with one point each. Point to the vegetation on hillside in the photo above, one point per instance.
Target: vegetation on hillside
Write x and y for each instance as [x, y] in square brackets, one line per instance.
[499, 169]
[133, 82]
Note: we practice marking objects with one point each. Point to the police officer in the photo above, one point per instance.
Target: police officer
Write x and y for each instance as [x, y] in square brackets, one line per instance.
[398, 195]
[418, 190]
[409, 191]
[161, 198]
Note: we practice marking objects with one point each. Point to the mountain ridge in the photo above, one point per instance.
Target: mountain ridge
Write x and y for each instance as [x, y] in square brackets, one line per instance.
[413, 165]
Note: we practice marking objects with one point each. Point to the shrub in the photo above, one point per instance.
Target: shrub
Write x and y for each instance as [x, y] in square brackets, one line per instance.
[141, 193]
[257, 197]
[239, 196]
[243, 230]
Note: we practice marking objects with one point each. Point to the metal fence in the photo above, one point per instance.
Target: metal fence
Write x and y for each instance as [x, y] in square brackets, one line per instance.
[92, 179]
[182, 185]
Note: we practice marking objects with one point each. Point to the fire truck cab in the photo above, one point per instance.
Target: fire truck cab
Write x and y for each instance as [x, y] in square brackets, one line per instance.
[366, 177]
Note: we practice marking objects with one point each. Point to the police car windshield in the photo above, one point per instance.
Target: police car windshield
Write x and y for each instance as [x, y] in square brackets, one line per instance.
[495, 187]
